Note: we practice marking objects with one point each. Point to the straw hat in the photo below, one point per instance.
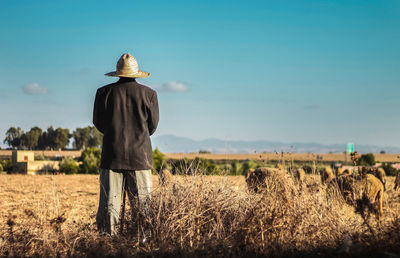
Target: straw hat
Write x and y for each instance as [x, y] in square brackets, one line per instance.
[127, 66]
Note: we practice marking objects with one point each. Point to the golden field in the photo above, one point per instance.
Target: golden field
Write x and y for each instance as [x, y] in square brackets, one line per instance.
[195, 215]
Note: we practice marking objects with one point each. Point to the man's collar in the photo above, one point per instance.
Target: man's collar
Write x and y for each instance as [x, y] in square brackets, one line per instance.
[124, 79]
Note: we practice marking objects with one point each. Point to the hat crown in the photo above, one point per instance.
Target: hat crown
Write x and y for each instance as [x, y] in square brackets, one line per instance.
[127, 63]
[127, 66]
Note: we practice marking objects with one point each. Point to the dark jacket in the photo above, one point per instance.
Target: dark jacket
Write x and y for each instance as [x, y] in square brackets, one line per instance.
[126, 112]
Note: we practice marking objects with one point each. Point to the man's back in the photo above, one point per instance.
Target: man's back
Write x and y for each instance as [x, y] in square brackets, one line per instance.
[126, 112]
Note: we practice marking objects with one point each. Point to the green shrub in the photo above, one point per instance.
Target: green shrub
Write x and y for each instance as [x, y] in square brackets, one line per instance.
[197, 166]
[1, 168]
[225, 169]
[206, 166]
[69, 165]
[249, 164]
[159, 160]
[90, 159]
[180, 166]
[389, 170]
[6, 164]
[237, 168]
[366, 160]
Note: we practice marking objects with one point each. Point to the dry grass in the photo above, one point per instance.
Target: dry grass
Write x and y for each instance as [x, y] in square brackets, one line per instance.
[197, 216]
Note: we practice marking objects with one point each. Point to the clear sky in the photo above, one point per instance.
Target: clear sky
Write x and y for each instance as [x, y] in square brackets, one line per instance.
[303, 71]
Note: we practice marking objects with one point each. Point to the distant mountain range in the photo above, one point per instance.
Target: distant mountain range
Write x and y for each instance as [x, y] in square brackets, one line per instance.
[175, 144]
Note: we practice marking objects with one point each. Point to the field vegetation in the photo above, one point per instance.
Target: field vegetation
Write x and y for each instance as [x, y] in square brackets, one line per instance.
[194, 215]
[325, 157]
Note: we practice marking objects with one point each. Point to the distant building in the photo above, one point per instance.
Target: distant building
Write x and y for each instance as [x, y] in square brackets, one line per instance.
[24, 163]
[22, 156]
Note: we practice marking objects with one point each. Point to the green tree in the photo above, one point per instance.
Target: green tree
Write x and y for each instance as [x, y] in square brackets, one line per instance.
[81, 137]
[96, 137]
[366, 160]
[91, 158]
[31, 139]
[14, 137]
[46, 140]
[61, 138]
[54, 138]
[87, 137]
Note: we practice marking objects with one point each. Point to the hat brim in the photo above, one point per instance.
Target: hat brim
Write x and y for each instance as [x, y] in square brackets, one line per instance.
[139, 74]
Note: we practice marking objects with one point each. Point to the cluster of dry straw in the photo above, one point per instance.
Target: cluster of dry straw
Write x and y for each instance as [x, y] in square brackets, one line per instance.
[210, 216]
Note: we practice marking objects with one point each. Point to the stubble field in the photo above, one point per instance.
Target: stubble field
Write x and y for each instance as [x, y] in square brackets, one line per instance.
[198, 216]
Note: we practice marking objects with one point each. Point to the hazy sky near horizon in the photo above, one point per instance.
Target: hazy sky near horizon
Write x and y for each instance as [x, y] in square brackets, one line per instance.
[290, 71]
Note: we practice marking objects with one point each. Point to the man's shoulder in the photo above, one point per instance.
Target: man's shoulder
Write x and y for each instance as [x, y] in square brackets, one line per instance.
[134, 86]
[105, 87]
[137, 88]
[145, 88]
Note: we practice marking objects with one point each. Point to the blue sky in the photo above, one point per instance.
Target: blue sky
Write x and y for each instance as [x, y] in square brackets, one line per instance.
[290, 71]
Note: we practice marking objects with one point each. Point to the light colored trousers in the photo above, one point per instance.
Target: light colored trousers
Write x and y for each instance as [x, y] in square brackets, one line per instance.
[138, 185]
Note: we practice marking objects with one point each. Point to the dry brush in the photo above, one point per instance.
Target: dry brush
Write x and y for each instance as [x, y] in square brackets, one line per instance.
[192, 215]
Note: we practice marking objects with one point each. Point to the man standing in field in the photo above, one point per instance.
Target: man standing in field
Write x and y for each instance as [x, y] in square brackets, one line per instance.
[126, 112]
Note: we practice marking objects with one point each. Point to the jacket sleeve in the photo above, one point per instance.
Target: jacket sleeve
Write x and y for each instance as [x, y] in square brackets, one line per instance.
[153, 114]
[99, 112]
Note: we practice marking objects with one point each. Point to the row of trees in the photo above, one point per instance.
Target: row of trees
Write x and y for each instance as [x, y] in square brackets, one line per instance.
[37, 139]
